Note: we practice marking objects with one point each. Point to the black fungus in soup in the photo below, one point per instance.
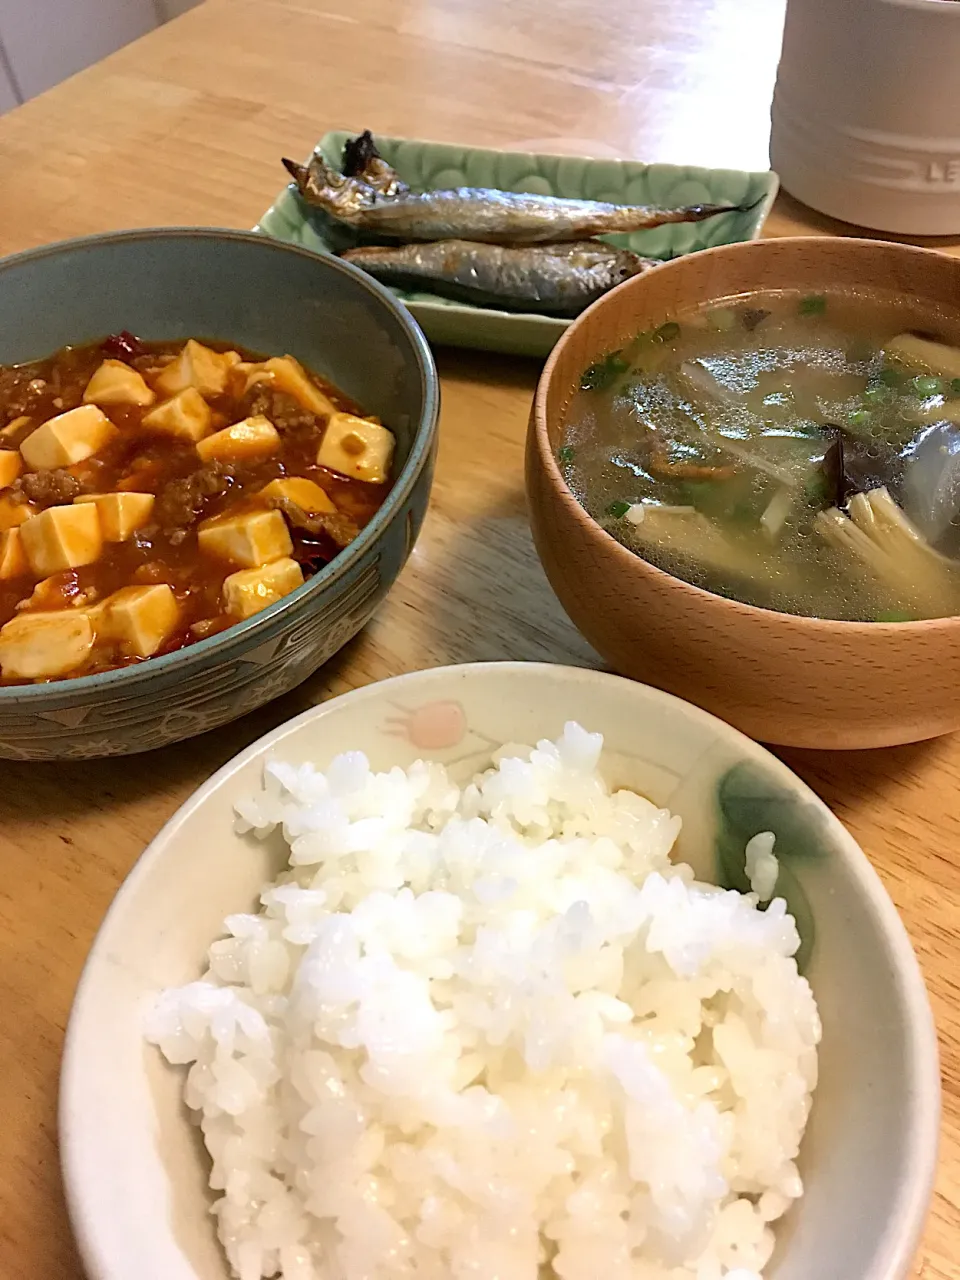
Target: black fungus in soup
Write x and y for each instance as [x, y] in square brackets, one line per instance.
[800, 453]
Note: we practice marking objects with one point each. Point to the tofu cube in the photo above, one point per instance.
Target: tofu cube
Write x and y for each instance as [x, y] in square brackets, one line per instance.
[199, 367]
[287, 375]
[40, 646]
[62, 538]
[307, 494]
[138, 619]
[356, 448]
[116, 383]
[186, 415]
[252, 438]
[68, 438]
[13, 561]
[14, 513]
[120, 514]
[250, 539]
[250, 590]
[10, 466]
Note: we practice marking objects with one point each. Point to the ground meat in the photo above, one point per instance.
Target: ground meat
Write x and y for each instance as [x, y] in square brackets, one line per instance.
[340, 529]
[151, 363]
[284, 412]
[180, 503]
[56, 592]
[153, 571]
[122, 346]
[47, 488]
[18, 394]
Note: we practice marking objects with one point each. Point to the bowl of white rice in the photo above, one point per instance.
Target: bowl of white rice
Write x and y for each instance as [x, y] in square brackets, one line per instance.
[501, 972]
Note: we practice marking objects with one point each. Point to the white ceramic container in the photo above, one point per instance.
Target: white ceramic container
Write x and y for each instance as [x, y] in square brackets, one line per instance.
[866, 112]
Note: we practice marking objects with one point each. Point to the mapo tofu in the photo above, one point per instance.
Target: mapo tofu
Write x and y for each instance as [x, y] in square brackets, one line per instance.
[153, 494]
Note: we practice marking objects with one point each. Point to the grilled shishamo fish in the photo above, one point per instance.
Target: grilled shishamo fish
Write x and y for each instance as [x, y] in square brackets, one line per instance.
[555, 279]
[475, 213]
[362, 160]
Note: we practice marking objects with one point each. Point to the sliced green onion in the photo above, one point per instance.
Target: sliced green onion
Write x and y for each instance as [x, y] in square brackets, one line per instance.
[603, 373]
[565, 454]
[895, 615]
[860, 418]
[618, 509]
[890, 377]
[955, 386]
[813, 305]
[926, 385]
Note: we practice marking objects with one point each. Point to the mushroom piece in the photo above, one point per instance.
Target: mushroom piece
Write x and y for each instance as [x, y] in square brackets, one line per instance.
[884, 540]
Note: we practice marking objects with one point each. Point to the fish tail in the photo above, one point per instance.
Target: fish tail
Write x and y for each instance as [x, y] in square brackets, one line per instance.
[712, 210]
[700, 212]
[630, 219]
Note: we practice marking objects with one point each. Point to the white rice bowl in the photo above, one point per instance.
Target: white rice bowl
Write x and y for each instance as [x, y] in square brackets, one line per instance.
[493, 1033]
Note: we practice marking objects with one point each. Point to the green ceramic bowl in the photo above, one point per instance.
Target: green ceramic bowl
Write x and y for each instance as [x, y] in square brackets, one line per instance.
[272, 298]
[136, 1176]
[436, 165]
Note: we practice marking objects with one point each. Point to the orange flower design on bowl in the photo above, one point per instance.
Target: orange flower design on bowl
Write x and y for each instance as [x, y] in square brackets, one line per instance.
[436, 726]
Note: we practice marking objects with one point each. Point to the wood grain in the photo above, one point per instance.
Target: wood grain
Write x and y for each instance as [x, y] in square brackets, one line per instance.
[186, 126]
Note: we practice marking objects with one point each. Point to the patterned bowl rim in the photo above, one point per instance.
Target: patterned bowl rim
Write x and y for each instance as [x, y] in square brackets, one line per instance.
[241, 635]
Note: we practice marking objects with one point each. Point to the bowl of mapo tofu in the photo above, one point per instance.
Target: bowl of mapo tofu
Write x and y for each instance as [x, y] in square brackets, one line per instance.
[215, 455]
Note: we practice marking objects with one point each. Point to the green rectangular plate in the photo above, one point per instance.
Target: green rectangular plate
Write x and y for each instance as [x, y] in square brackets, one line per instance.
[437, 165]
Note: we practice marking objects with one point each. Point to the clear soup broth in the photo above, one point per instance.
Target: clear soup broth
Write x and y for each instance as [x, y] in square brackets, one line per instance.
[800, 453]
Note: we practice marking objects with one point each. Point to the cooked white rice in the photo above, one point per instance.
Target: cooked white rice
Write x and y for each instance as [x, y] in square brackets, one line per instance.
[492, 1033]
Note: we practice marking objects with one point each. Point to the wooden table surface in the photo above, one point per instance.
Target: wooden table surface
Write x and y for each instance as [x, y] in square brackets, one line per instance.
[187, 126]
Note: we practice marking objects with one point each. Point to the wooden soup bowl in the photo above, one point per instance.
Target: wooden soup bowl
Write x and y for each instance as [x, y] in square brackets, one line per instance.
[802, 682]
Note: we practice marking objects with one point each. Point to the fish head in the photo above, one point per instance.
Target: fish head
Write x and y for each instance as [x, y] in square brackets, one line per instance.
[321, 185]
